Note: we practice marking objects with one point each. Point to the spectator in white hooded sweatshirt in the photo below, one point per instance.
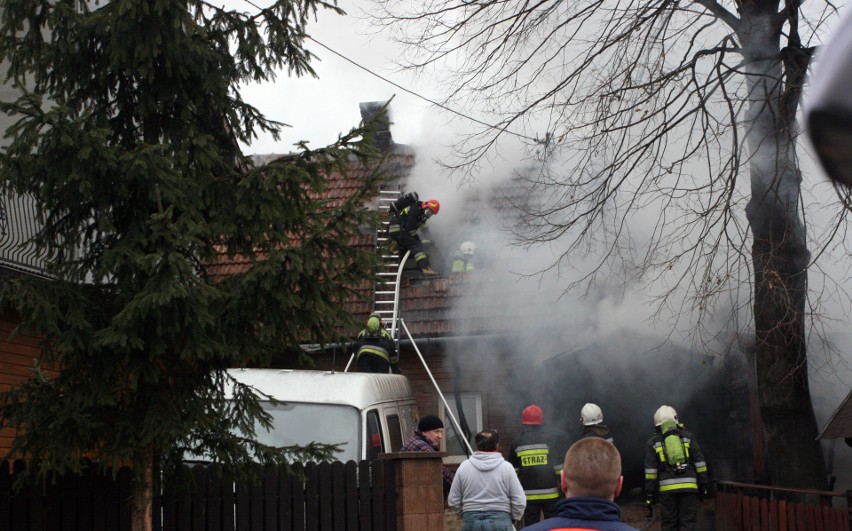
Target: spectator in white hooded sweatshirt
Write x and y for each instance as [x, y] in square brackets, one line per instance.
[486, 491]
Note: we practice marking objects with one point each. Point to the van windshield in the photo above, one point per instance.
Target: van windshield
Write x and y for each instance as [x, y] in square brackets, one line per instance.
[301, 423]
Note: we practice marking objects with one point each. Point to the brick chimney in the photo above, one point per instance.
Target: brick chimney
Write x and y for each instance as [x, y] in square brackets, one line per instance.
[369, 110]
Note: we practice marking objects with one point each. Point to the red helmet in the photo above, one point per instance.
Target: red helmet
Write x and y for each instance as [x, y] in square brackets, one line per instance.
[532, 415]
[432, 205]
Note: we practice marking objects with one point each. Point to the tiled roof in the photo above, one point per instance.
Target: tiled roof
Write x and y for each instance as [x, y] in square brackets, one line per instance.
[463, 304]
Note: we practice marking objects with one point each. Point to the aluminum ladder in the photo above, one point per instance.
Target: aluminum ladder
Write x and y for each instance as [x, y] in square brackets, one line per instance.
[386, 292]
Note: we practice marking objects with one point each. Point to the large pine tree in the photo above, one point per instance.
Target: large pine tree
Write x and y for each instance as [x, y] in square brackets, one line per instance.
[127, 136]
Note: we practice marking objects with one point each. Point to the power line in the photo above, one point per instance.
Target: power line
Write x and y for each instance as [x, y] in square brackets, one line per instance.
[413, 93]
[424, 98]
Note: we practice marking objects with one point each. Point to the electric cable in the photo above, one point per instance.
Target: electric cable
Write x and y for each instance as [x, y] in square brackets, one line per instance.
[415, 94]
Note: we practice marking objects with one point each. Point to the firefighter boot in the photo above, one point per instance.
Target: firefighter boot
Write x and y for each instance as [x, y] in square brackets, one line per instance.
[429, 272]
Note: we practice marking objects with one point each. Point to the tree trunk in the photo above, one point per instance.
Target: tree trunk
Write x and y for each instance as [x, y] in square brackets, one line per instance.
[780, 257]
[143, 494]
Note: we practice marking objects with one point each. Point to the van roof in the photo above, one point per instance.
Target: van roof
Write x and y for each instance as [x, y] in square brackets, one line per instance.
[356, 389]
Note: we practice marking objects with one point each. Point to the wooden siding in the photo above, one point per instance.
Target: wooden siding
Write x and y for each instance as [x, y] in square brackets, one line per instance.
[17, 358]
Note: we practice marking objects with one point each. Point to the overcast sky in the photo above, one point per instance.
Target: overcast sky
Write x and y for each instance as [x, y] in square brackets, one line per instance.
[320, 109]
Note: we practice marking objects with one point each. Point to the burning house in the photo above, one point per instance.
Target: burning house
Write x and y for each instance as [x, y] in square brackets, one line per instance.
[494, 342]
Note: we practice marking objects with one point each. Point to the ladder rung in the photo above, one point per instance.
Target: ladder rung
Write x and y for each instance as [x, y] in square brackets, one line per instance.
[386, 283]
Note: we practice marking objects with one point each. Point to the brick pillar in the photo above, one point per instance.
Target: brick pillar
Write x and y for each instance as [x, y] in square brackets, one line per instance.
[419, 490]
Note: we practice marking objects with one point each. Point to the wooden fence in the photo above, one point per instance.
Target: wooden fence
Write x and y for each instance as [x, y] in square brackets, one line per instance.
[340, 496]
[746, 507]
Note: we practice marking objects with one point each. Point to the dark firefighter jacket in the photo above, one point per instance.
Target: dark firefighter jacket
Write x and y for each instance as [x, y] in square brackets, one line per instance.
[597, 430]
[661, 479]
[409, 219]
[537, 464]
[379, 344]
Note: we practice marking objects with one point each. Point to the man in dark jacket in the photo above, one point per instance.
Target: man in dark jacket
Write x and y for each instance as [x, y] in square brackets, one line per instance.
[677, 487]
[403, 229]
[591, 479]
[375, 349]
[537, 465]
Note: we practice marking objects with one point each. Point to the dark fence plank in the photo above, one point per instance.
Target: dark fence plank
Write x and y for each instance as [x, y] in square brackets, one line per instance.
[818, 521]
[243, 507]
[782, 516]
[800, 517]
[338, 493]
[377, 489]
[390, 495]
[35, 516]
[312, 497]
[183, 505]
[364, 505]
[326, 496]
[810, 516]
[5, 495]
[53, 504]
[352, 518]
[197, 506]
[18, 501]
[229, 503]
[213, 499]
[125, 490]
[256, 505]
[100, 487]
[285, 501]
[270, 499]
[169, 507]
[69, 486]
[85, 489]
[299, 517]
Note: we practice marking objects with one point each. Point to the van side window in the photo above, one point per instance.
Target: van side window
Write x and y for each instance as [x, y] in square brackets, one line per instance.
[374, 435]
[394, 432]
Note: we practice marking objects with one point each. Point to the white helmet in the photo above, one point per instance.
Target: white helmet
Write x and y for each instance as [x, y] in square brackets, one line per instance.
[467, 247]
[663, 414]
[591, 414]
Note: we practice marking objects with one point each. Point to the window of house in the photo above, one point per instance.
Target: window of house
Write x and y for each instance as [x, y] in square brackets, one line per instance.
[472, 405]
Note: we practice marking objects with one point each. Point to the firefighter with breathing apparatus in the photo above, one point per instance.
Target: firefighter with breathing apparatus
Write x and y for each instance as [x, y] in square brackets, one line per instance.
[675, 472]
[407, 215]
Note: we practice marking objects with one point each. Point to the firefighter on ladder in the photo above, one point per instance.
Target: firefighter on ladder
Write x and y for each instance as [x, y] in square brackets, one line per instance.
[403, 227]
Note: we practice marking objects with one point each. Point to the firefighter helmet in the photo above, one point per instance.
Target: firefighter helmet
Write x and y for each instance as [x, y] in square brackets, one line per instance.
[467, 248]
[532, 415]
[591, 414]
[374, 322]
[664, 413]
[432, 205]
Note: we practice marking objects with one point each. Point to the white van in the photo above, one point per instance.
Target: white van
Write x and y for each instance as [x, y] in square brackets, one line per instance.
[370, 413]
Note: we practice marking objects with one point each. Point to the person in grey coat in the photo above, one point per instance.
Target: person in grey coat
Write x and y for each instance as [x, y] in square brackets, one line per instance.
[486, 491]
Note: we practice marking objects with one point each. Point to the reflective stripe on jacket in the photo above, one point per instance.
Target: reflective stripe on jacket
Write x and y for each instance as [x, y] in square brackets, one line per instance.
[534, 463]
[660, 477]
[377, 345]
